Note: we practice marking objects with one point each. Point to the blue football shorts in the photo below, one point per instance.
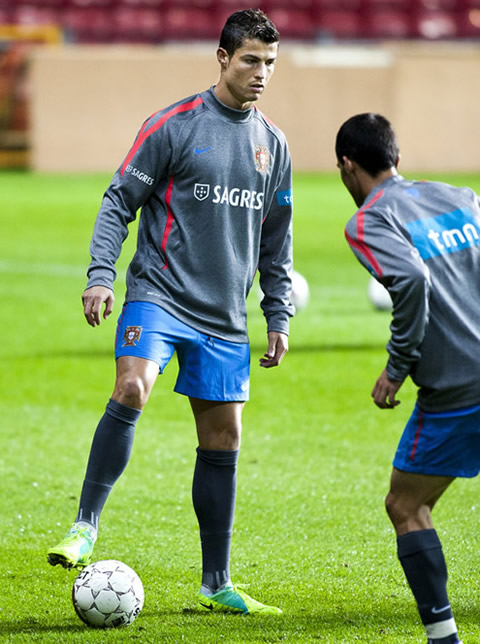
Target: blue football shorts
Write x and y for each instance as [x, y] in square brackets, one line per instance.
[209, 368]
[441, 444]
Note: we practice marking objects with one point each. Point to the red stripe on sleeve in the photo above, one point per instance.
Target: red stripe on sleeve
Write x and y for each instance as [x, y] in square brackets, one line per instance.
[267, 119]
[359, 243]
[145, 133]
[168, 227]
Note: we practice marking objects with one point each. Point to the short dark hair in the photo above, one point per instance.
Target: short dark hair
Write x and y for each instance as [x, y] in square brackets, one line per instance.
[247, 24]
[369, 140]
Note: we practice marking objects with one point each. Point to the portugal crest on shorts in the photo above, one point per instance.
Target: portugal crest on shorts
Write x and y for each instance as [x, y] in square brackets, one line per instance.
[132, 336]
[262, 158]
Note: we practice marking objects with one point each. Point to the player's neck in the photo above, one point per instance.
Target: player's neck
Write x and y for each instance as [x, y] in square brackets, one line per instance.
[227, 98]
[369, 182]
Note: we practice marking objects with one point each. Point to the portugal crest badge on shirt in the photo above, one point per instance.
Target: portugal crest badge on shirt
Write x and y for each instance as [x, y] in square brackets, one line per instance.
[131, 336]
[262, 158]
[201, 191]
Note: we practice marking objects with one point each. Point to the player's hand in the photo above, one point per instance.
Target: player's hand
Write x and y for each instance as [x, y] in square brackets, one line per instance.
[385, 390]
[277, 348]
[93, 299]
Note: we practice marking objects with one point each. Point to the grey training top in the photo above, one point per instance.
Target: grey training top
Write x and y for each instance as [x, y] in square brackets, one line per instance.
[422, 241]
[215, 190]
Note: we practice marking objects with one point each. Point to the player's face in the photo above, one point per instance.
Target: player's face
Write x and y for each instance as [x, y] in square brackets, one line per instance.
[246, 74]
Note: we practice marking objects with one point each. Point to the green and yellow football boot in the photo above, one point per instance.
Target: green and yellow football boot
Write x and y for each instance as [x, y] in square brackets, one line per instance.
[231, 599]
[75, 551]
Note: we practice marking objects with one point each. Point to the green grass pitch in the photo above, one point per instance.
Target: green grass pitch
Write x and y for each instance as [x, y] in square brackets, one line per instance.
[311, 534]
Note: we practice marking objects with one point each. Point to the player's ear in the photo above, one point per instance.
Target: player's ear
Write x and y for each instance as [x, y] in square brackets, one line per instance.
[397, 162]
[222, 57]
[348, 165]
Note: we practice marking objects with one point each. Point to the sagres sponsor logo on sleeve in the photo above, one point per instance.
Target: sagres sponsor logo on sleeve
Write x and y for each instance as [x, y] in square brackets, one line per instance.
[131, 337]
[201, 191]
[138, 174]
[262, 158]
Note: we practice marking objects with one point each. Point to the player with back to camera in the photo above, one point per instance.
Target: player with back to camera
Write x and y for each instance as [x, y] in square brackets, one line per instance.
[421, 240]
[212, 177]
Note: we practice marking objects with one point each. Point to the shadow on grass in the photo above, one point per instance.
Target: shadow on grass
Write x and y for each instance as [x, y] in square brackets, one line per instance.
[333, 624]
[27, 627]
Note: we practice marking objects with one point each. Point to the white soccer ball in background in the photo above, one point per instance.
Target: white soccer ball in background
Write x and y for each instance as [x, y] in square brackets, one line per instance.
[379, 296]
[300, 291]
[107, 594]
[300, 294]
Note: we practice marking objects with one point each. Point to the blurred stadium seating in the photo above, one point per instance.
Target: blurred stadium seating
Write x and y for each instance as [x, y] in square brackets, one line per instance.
[158, 21]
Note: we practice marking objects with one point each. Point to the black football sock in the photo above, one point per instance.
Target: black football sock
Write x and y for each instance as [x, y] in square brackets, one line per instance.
[420, 553]
[109, 455]
[213, 493]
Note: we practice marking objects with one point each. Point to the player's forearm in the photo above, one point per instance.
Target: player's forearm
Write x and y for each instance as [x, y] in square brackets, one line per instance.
[410, 293]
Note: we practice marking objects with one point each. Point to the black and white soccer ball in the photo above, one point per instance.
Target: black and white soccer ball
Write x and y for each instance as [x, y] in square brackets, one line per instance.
[108, 594]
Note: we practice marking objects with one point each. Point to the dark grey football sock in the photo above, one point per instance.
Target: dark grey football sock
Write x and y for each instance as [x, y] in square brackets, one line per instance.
[109, 455]
[214, 490]
[420, 553]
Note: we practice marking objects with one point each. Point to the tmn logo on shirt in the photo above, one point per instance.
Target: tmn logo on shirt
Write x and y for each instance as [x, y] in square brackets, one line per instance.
[444, 234]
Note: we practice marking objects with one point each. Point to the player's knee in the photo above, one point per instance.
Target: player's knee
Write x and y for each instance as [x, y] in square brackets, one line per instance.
[396, 508]
[225, 437]
[230, 437]
[131, 391]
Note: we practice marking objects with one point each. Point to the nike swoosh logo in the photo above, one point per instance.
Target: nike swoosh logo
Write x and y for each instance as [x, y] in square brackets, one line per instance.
[209, 606]
[202, 150]
[440, 610]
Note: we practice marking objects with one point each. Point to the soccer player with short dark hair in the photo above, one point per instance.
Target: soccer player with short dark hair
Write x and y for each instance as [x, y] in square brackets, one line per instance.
[421, 240]
[212, 177]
